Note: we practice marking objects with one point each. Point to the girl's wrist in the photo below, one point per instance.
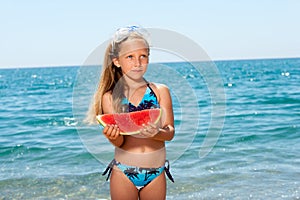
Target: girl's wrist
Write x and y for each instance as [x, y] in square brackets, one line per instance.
[165, 133]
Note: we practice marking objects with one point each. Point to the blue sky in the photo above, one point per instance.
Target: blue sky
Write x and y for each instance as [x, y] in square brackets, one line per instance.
[65, 32]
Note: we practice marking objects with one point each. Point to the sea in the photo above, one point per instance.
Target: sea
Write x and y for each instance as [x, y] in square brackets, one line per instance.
[237, 132]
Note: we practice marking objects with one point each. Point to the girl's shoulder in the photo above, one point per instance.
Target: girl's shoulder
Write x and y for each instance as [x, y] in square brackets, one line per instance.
[107, 104]
[159, 87]
[107, 95]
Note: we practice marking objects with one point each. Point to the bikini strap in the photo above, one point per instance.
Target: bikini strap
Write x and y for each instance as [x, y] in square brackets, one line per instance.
[167, 170]
[148, 85]
[109, 168]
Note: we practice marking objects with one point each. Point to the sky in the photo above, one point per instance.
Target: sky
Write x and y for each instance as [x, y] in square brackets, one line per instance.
[64, 32]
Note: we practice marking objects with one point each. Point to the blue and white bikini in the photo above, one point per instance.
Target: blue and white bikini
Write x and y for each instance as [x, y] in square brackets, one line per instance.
[140, 176]
[149, 101]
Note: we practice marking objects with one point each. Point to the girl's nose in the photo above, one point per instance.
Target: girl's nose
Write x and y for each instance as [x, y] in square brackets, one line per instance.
[137, 62]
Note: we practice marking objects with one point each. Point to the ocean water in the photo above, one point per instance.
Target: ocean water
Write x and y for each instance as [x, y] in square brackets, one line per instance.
[47, 152]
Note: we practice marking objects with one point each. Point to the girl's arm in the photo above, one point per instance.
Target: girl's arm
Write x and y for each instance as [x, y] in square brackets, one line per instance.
[167, 121]
[111, 132]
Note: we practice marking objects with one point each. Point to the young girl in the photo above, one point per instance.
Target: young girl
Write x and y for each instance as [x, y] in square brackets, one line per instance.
[140, 160]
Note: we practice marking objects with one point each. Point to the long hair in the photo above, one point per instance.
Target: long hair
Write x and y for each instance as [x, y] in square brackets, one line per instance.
[111, 79]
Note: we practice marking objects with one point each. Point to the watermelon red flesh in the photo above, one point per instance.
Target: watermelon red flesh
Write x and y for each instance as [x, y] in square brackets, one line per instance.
[131, 123]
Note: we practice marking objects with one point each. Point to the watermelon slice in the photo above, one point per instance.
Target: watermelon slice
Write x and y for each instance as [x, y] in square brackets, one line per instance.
[131, 123]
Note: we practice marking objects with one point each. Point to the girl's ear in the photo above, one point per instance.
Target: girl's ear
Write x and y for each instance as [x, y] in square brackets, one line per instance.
[116, 62]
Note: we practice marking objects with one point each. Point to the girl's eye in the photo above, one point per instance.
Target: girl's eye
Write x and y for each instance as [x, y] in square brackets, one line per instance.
[144, 56]
[130, 56]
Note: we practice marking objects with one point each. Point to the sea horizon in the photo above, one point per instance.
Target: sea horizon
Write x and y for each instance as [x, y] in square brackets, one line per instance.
[157, 62]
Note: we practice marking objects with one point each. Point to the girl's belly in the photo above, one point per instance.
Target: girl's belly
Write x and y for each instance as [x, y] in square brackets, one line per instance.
[142, 155]
[141, 145]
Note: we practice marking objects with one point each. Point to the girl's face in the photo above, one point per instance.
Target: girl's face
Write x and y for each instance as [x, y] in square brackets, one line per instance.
[133, 58]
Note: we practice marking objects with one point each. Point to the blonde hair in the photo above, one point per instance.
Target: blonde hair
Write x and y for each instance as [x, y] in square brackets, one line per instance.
[111, 78]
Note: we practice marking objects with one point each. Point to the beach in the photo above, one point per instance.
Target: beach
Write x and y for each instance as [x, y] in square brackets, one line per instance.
[47, 152]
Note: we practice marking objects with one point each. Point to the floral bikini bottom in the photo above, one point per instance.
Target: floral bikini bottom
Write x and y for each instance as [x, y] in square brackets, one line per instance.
[139, 176]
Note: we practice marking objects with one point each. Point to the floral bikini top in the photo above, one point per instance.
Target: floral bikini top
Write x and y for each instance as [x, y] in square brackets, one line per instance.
[149, 101]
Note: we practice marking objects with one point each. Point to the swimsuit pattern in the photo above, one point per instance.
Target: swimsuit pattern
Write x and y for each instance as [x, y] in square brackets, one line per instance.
[139, 176]
[149, 101]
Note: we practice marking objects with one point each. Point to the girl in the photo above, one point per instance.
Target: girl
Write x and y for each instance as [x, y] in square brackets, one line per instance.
[137, 169]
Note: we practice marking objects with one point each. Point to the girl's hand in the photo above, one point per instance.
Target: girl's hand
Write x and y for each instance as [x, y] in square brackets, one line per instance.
[111, 132]
[149, 130]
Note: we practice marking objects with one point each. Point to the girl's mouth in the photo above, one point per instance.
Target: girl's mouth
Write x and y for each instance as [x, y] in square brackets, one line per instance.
[137, 70]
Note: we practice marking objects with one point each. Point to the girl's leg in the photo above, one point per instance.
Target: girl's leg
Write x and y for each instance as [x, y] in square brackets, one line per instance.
[121, 187]
[155, 190]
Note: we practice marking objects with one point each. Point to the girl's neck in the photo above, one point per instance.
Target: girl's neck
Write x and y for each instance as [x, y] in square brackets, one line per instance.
[134, 84]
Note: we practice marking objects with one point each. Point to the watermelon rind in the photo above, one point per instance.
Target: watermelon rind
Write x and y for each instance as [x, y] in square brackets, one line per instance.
[99, 119]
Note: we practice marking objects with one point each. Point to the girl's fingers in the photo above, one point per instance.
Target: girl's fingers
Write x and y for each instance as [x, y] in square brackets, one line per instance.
[111, 131]
[152, 128]
[152, 125]
[114, 132]
[145, 133]
[105, 129]
[149, 130]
